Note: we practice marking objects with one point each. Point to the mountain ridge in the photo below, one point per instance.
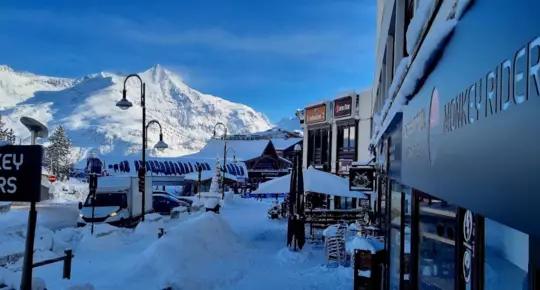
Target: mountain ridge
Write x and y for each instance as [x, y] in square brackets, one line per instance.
[86, 107]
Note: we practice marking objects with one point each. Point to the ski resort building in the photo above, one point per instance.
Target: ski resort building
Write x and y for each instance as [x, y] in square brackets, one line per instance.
[457, 92]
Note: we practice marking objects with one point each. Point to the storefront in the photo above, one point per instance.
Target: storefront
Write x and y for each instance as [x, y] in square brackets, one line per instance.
[456, 178]
[318, 136]
[344, 129]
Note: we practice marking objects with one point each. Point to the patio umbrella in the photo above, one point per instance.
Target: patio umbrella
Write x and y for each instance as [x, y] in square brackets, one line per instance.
[296, 224]
[313, 181]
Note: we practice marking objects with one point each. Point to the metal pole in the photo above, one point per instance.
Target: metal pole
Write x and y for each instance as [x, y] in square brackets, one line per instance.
[26, 279]
[143, 105]
[224, 165]
[91, 182]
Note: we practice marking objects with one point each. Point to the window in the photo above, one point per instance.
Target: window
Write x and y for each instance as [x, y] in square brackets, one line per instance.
[409, 13]
[506, 257]
[395, 236]
[107, 199]
[436, 262]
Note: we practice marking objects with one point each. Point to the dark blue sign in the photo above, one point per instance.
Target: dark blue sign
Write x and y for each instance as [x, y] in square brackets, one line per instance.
[470, 134]
[20, 173]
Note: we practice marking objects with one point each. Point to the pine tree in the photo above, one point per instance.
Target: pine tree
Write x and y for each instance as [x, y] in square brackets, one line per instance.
[215, 186]
[59, 154]
[6, 134]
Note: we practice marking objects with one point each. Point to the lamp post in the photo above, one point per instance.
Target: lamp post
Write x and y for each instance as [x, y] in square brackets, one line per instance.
[224, 156]
[160, 145]
[124, 104]
[37, 130]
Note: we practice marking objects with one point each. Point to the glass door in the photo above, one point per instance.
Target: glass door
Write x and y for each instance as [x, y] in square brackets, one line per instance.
[395, 236]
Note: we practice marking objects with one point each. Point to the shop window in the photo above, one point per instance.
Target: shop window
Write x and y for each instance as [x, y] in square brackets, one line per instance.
[406, 260]
[395, 236]
[437, 248]
[506, 257]
[337, 202]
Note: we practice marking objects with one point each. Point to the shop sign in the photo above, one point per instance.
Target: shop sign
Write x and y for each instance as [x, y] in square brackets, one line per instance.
[343, 107]
[469, 237]
[316, 114]
[20, 173]
[361, 178]
[457, 130]
[344, 166]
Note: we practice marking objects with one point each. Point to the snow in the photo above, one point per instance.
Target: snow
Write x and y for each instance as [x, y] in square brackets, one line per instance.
[86, 107]
[432, 44]
[238, 249]
[365, 244]
[71, 191]
[290, 124]
[211, 203]
[314, 181]
[282, 144]
[417, 25]
[243, 149]
[462, 7]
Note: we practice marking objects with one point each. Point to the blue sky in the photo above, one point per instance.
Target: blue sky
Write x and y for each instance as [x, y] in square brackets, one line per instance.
[275, 56]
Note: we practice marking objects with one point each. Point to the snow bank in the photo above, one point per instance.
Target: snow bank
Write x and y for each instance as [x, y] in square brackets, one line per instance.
[73, 190]
[149, 227]
[191, 255]
[105, 237]
[211, 203]
[13, 280]
[228, 198]
[287, 256]
[86, 286]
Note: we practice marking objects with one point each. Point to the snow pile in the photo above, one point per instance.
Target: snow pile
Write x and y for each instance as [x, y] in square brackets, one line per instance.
[149, 227]
[105, 237]
[72, 191]
[66, 238]
[86, 286]
[180, 212]
[188, 253]
[12, 280]
[287, 256]
[228, 198]
[418, 22]
[431, 47]
[211, 203]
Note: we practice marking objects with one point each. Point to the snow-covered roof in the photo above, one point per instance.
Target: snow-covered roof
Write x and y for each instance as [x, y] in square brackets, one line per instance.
[243, 149]
[282, 144]
[206, 175]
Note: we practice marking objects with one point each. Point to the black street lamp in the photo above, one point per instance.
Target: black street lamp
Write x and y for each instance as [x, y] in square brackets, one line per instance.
[224, 156]
[160, 145]
[124, 104]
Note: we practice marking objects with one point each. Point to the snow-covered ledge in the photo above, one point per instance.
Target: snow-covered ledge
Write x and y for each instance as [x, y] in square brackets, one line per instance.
[412, 69]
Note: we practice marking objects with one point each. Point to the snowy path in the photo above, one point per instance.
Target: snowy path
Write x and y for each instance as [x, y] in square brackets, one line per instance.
[238, 249]
[271, 265]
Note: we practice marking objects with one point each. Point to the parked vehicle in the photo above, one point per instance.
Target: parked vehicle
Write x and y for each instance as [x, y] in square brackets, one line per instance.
[184, 199]
[163, 203]
[118, 202]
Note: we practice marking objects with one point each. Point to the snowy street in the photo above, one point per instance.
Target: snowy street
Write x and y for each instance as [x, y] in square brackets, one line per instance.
[237, 249]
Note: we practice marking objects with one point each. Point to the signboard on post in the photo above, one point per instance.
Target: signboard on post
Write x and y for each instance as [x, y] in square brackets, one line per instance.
[20, 173]
[361, 178]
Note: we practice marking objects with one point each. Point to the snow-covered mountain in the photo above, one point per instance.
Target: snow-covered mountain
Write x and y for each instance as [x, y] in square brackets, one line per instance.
[86, 107]
[290, 124]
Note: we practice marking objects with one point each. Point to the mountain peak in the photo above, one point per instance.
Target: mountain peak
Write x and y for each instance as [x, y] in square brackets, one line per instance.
[158, 73]
[5, 68]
